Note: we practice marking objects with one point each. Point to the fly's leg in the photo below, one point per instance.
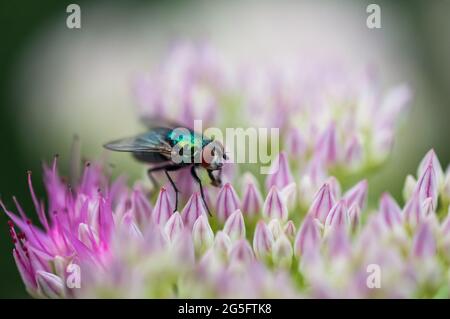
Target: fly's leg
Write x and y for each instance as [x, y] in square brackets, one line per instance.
[197, 179]
[174, 188]
[166, 169]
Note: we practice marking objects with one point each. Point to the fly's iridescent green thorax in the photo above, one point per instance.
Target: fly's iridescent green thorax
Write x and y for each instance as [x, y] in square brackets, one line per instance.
[186, 138]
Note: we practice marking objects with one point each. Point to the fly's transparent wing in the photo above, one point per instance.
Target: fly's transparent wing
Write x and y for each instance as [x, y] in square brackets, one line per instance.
[152, 141]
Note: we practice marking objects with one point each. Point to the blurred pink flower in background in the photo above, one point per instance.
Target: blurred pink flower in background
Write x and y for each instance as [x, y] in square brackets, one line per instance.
[331, 121]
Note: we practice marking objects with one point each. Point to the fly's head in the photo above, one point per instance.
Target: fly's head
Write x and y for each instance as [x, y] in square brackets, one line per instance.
[213, 156]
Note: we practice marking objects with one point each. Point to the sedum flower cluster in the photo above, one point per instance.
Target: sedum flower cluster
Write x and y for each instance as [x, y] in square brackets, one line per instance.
[258, 244]
[299, 232]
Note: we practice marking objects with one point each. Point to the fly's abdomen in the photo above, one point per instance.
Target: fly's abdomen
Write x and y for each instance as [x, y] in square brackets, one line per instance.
[150, 157]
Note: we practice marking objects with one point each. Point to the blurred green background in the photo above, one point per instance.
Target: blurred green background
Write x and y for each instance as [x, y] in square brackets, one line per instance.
[420, 29]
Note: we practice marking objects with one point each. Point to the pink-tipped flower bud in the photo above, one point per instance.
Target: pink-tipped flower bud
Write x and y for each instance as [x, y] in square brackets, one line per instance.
[234, 226]
[140, 206]
[326, 147]
[353, 154]
[282, 252]
[354, 216]
[275, 206]
[338, 215]
[49, 285]
[430, 159]
[227, 202]
[289, 230]
[295, 142]
[424, 243]
[202, 234]
[275, 228]
[280, 174]
[357, 194]
[308, 237]
[241, 252]
[163, 208]
[174, 226]
[390, 211]
[338, 241]
[222, 244]
[193, 210]
[252, 199]
[262, 240]
[322, 203]
[427, 185]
